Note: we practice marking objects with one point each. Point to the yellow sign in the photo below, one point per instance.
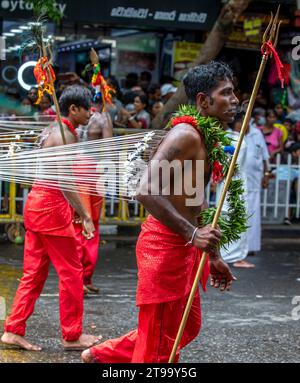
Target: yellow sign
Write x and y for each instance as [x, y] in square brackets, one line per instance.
[252, 26]
[184, 53]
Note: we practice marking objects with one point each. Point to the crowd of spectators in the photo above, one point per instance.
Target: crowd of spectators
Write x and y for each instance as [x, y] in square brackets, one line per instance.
[280, 130]
[137, 101]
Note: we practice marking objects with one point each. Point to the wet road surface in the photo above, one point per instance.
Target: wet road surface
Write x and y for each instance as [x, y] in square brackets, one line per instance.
[252, 323]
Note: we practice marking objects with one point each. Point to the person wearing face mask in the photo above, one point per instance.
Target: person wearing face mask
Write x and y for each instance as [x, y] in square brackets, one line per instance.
[257, 177]
[33, 94]
[258, 119]
[26, 106]
[236, 252]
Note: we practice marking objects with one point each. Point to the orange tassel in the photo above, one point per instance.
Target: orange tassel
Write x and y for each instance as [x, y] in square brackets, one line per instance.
[44, 78]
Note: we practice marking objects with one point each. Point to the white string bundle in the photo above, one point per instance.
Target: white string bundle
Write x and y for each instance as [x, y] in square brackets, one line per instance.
[104, 167]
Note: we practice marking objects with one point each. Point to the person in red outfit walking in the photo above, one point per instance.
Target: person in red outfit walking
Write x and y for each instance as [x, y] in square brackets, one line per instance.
[100, 126]
[50, 237]
[170, 245]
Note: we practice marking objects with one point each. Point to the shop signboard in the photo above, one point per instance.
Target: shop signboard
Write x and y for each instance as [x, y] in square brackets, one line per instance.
[247, 33]
[188, 14]
[184, 53]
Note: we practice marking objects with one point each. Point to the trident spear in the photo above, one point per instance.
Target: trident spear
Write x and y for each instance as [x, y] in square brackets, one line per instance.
[45, 64]
[54, 97]
[270, 39]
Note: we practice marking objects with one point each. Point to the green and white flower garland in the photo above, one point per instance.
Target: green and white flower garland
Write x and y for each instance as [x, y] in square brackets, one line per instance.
[219, 150]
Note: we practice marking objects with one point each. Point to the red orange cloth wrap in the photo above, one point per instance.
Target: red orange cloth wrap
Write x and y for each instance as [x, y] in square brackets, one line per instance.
[166, 267]
[47, 211]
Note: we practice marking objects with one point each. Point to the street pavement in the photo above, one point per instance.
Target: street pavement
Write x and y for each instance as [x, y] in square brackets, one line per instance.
[255, 322]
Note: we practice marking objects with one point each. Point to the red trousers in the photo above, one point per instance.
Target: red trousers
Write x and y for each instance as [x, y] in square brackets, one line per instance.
[39, 250]
[88, 251]
[154, 338]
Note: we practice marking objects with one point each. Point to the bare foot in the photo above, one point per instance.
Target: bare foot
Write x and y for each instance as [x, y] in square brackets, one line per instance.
[85, 341]
[11, 339]
[87, 357]
[92, 289]
[85, 290]
[244, 264]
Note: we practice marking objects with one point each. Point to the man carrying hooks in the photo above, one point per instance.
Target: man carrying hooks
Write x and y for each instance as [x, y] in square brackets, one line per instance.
[50, 237]
[171, 244]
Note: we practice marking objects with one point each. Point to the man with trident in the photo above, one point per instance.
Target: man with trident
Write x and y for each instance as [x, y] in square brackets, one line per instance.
[172, 251]
[170, 245]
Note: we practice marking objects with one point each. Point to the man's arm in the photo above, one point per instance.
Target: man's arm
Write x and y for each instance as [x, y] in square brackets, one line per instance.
[177, 145]
[220, 274]
[182, 143]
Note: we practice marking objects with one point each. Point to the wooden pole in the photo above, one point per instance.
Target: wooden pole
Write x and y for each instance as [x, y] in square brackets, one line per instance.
[59, 118]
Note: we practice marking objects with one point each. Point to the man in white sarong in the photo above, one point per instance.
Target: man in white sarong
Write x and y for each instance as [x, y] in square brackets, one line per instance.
[236, 252]
[257, 177]
[253, 170]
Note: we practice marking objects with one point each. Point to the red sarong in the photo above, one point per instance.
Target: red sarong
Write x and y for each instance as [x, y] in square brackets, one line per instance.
[166, 271]
[166, 267]
[47, 211]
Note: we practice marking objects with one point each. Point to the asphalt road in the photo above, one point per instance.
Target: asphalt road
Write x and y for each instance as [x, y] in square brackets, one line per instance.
[254, 322]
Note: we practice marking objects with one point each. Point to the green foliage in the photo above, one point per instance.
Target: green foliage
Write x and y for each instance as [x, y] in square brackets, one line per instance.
[46, 8]
[234, 222]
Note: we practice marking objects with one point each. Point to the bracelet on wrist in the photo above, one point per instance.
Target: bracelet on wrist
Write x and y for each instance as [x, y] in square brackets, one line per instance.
[190, 242]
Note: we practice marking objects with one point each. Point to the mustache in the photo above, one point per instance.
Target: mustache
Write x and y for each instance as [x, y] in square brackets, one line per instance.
[238, 109]
[232, 110]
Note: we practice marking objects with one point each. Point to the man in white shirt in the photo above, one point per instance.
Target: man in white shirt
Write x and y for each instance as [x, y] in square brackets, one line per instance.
[252, 160]
[257, 177]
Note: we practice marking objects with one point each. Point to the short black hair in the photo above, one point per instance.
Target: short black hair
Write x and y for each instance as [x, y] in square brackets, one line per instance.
[153, 88]
[205, 78]
[128, 97]
[294, 147]
[143, 98]
[77, 95]
[146, 75]
[47, 95]
[271, 111]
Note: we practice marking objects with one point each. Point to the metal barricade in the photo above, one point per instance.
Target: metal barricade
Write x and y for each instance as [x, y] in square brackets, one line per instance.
[282, 198]
[11, 210]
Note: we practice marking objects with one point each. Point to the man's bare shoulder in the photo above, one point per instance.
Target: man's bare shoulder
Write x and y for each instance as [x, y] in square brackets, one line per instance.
[182, 141]
[184, 131]
[55, 137]
[101, 119]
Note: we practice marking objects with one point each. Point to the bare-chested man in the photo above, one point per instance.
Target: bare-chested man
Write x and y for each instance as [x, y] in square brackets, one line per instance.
[170, 245]
[50, 237]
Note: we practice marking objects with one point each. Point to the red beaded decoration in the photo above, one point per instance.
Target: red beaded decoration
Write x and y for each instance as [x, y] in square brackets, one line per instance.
[70, 126]
[185, 120]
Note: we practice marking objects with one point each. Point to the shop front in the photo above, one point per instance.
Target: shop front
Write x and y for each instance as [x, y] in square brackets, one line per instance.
[136, 34]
